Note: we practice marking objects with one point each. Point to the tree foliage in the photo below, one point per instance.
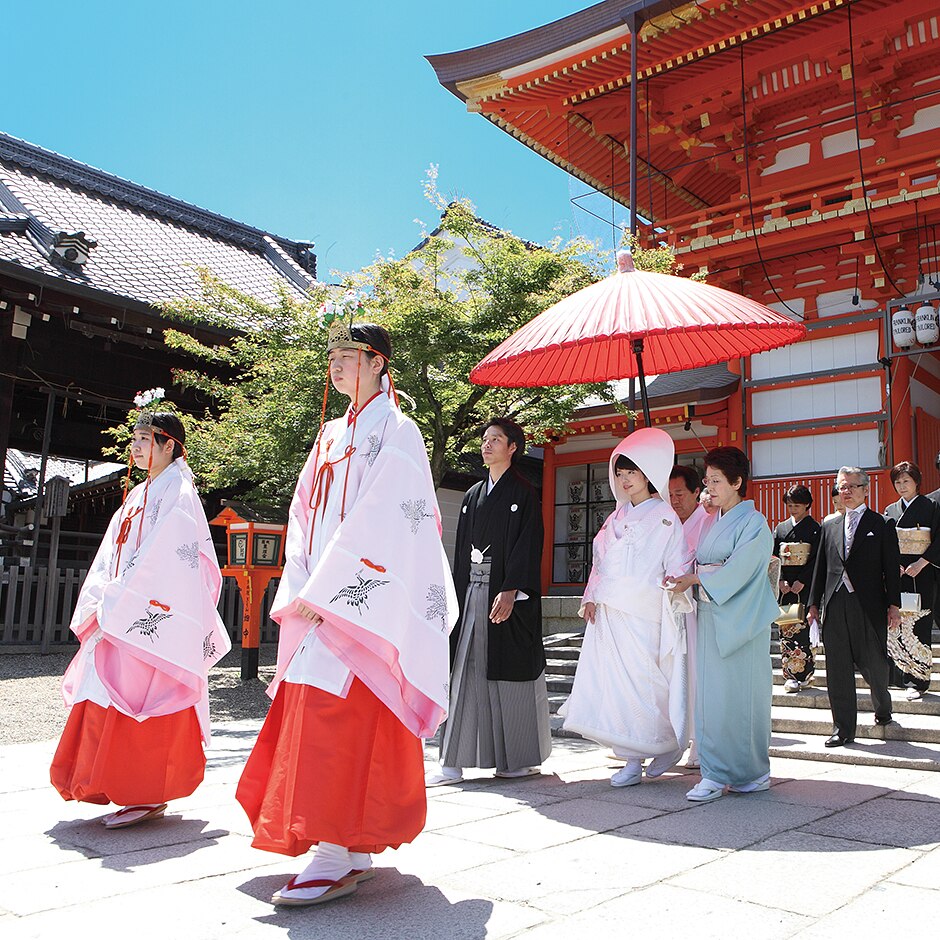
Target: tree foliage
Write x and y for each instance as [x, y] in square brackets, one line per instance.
[462, 291]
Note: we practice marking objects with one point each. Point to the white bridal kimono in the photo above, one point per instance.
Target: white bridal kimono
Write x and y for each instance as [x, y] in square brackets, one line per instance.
[630, 689]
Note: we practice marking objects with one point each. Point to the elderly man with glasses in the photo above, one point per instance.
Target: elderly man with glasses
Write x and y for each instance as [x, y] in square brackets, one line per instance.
[857, 584]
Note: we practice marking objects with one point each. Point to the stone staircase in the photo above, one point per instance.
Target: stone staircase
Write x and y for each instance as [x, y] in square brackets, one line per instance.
[800, 721]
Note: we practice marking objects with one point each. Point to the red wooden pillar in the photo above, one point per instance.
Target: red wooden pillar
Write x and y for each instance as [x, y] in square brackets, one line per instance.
[548, 515]
[901, 433]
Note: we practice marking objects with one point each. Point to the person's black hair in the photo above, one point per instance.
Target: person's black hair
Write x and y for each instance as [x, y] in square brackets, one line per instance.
[169, 422]
[911, 469]
[733, 464]
[798, 494]
[514, 435]
[835, 490]
[625, 463]
[684, 472]
[377, 337]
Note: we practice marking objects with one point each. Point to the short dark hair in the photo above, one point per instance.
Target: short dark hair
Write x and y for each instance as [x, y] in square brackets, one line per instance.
[683, 472]
[625, 463]
[911, 469]
[514, 434]
[377, 337]
[835, 490]
[798, 494]
[733, 464]
[169, 422]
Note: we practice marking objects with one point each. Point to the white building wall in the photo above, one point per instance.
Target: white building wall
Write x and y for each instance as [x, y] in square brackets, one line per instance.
[819, 400]
[815, 453]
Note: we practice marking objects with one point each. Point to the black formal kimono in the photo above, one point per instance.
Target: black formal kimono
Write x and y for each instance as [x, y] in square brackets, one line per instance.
[925, 513]
[796, 653]
[498, 715]
[855, 623]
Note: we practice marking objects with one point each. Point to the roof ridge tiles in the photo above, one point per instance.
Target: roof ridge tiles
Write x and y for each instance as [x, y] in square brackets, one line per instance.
[38, 159]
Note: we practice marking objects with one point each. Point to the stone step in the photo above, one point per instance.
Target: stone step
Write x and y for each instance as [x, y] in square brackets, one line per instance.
[819, 698]
[556, 668]
[819, 680]
[563, 652]
[820, 660]
[870, 752]
[923, 729]
[558, 683]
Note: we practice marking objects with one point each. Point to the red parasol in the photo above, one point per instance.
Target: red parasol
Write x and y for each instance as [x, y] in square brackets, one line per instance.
[631, 323]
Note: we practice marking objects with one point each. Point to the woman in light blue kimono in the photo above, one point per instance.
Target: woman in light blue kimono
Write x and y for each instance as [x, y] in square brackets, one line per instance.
[736, 607]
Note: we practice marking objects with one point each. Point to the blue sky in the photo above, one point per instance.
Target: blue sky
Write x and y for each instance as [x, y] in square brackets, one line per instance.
[313, 120]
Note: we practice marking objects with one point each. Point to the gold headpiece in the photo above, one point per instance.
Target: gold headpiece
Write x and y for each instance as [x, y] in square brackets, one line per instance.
[340, 337]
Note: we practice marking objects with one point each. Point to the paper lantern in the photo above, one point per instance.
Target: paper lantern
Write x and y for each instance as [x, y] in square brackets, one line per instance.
[925, 325]
[902, 328]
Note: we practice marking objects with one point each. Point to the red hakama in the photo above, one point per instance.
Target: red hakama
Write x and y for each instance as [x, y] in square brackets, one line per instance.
[331, 769]
[105, 756]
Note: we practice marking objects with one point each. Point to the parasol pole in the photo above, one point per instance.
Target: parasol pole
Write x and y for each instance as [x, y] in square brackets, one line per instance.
[634, 22]
[638, 352]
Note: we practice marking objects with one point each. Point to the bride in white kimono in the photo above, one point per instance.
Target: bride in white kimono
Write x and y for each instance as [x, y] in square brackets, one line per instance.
[631, 689]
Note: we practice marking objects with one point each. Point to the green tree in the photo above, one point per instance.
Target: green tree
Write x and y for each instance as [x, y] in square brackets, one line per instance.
[465, 289]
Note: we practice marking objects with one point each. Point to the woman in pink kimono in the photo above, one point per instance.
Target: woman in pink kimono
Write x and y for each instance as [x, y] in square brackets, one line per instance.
[149, 630]
[631, 687]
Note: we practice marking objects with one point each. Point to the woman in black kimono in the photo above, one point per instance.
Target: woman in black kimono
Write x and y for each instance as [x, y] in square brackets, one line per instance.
[913, 661]
[796, 653]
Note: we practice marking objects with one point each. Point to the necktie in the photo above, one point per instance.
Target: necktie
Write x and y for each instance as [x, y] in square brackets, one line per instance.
[850, 533]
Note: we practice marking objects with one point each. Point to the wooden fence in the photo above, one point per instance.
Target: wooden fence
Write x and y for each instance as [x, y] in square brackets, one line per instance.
[23, 601]
[768, 494]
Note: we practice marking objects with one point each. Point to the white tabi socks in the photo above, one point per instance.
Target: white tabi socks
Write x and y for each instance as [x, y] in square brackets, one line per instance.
[330, 863]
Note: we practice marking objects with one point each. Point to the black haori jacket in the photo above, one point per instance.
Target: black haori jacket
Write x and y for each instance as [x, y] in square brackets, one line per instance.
[921, 511]
[508, 521]
[806, 530]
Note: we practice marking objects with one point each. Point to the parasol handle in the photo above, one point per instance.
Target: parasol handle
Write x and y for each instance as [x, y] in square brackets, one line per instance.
[638, 352]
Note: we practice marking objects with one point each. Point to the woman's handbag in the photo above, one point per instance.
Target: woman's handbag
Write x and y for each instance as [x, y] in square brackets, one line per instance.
[791, 614]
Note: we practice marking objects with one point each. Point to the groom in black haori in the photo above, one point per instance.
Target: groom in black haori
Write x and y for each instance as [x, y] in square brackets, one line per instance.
[498, 714]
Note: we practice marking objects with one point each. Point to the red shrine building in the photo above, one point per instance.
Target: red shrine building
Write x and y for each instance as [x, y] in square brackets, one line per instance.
[792, 150]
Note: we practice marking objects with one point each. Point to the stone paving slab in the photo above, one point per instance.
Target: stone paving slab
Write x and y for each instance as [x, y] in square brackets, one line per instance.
[829, 848]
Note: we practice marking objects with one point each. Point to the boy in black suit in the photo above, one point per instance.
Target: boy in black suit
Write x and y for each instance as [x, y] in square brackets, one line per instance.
[857, 582]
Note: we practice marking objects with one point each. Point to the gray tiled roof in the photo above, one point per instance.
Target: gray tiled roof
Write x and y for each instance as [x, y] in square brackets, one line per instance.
[21, 472]
[148, 244]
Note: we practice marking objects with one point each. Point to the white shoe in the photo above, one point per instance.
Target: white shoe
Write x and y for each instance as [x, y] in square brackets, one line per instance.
[792, 685]
[705, 791]
[443, 777]
[663, 762]
[761, 783]
[913, 695]
[514, 774]
[629, 775]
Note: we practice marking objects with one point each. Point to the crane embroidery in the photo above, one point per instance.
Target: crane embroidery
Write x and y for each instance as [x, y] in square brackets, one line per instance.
[414, 513]
[356, 595]
[148, 623]
[154, 512]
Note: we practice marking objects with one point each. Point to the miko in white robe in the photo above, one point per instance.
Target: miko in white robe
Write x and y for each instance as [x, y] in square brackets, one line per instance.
[339, 760]
[149, 629]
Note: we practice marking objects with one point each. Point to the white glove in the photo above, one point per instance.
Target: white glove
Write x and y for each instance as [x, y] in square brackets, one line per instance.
[815, 633]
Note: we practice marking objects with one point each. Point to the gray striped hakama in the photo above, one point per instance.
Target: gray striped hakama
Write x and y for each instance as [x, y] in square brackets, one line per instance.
[492, 723]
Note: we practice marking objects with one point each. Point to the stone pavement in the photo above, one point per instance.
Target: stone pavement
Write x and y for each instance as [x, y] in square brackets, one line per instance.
[829, 850]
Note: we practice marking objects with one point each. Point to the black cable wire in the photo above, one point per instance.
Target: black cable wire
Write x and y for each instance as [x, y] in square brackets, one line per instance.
[750, 198]
[861, 167]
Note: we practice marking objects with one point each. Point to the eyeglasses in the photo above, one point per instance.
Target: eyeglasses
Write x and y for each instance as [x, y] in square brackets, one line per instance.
[847, 487]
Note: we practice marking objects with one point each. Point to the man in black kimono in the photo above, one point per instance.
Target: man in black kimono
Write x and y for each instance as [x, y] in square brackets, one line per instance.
[796, 652]
[498, 715]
